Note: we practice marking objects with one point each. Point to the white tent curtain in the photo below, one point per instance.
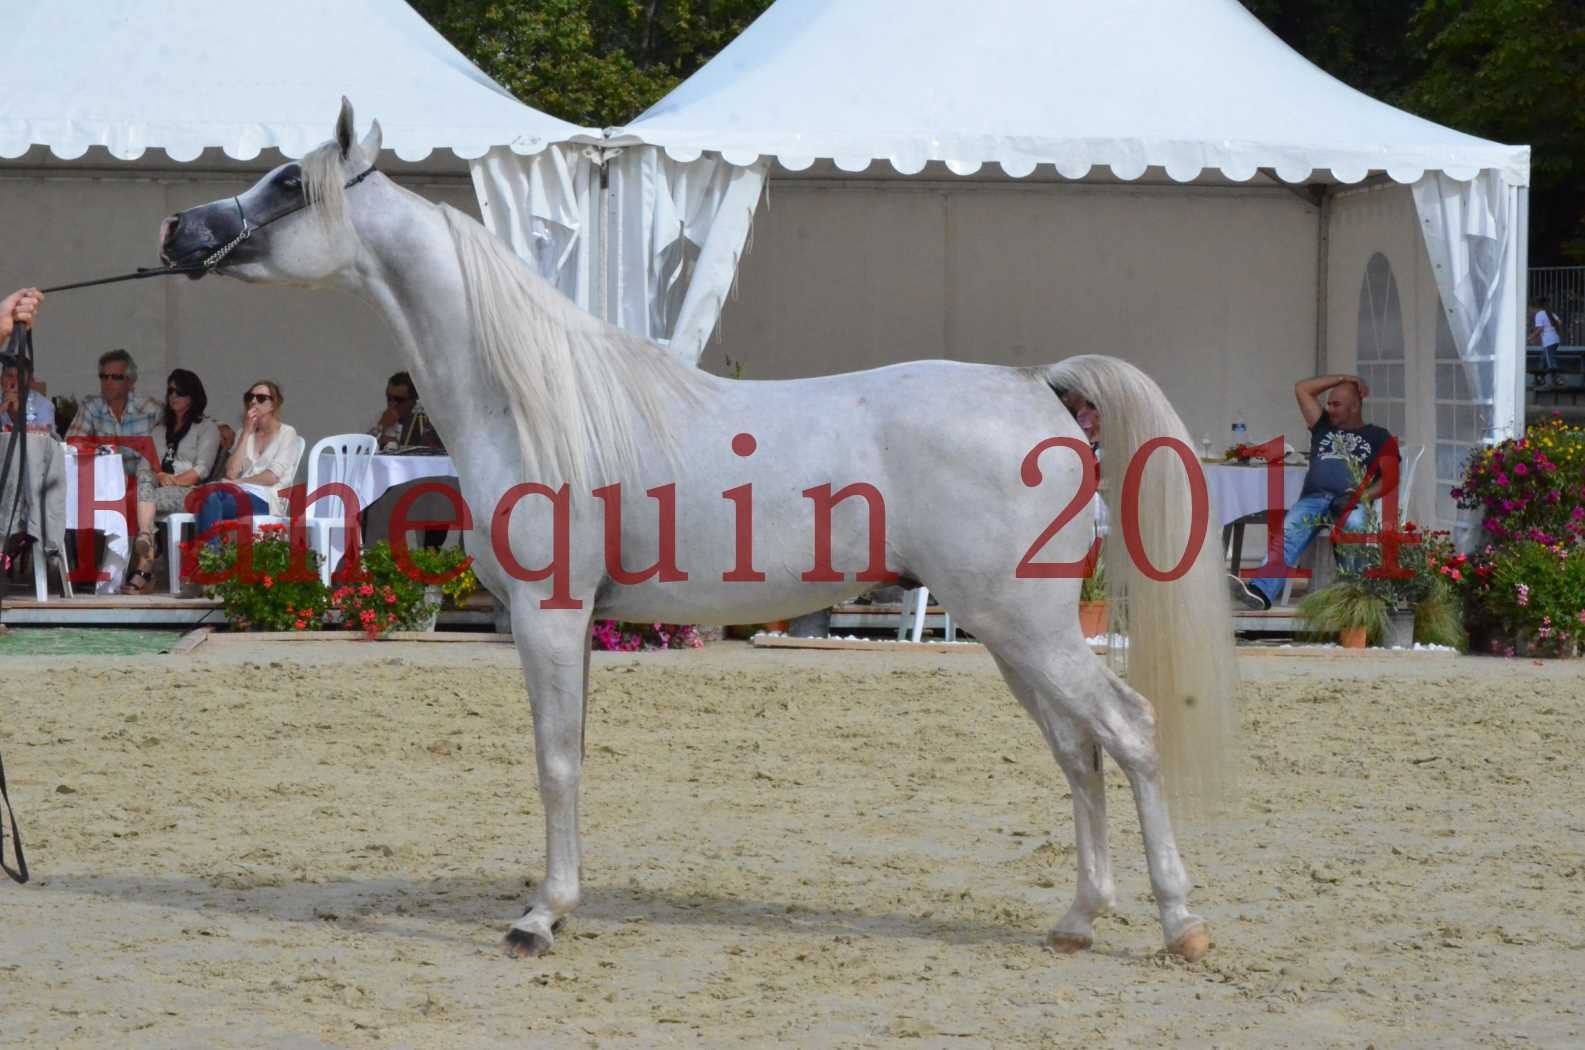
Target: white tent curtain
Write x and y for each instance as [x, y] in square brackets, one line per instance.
[667, 255]
[675, 236]
[1470, 232]
[545, 206]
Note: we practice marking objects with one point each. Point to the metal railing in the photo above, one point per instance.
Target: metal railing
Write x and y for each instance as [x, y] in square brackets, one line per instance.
[1564, 289]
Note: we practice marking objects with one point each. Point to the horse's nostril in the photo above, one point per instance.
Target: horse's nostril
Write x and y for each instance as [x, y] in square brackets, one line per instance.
[168, 227]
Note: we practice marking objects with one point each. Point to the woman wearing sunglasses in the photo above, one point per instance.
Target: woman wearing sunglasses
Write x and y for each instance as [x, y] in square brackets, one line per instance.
[263, 461]
[186, 443]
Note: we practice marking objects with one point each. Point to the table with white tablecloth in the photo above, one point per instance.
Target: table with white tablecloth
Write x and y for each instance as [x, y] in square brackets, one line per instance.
[1241, 495]
[391, 470]
[109, 485]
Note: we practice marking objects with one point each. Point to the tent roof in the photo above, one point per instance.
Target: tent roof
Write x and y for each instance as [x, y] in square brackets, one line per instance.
[183, 75]
[1186, 85]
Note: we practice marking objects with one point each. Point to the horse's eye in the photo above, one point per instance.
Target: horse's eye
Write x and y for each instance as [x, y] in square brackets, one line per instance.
[291, 182]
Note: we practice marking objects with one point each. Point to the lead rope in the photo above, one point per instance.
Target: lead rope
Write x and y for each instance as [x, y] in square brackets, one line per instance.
[20, 350]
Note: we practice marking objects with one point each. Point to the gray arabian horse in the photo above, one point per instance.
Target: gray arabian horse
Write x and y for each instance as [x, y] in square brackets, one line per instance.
[530, 391]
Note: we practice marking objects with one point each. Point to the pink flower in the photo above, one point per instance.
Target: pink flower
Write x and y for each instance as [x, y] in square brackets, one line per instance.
[1457, 575]
[1520, 469]
[1523, 593]
[1502, 479]
[366, 590]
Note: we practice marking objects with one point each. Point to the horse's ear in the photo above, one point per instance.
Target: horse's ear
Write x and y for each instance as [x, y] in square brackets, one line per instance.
[371, 142]
[344, 137]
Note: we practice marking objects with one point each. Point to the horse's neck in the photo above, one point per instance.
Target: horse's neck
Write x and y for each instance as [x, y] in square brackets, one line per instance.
[411, 276]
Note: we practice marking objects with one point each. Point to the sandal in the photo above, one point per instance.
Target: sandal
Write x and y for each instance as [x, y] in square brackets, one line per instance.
[141, 579]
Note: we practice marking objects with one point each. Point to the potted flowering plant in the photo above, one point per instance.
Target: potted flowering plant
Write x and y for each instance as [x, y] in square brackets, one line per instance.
[1525, 590]
[1530, 488]
[388, 599]
[620, 637]
[1533, 593]
[1092, 598]
[264, 595]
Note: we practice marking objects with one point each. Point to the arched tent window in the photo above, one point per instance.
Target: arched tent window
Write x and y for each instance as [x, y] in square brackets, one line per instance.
[1381, 356]
[1463, 417]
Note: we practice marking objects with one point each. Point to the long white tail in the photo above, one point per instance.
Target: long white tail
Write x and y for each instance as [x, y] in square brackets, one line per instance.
[1180, 653]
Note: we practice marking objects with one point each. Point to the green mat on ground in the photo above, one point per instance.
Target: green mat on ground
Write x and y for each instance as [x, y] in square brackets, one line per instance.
[84, 641]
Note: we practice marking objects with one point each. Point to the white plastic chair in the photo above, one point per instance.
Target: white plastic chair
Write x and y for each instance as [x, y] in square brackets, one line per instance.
[350, 458]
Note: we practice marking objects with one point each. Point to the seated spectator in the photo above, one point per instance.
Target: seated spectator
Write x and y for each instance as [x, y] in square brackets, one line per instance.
[40, 413]
[263, 462]
[117, 412]
[1339, 436]
[404, 423]
[186, 445]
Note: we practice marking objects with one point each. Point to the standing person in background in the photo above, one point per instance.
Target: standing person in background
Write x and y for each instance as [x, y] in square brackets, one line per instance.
[1545, 331]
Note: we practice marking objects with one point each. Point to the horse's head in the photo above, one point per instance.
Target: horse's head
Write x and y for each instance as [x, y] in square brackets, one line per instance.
[290, 227]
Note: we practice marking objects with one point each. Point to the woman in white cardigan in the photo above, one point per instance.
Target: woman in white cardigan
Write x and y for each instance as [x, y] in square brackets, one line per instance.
[262, 463]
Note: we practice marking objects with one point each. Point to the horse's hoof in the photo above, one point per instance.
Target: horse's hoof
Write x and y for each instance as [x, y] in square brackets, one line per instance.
[1193, 943]
[1067, 943]
[525, 944]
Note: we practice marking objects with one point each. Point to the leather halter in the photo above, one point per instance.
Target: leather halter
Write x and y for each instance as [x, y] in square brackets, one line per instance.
[249, 228]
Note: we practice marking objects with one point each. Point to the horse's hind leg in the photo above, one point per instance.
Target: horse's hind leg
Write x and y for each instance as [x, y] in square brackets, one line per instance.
[1127, 729]
[1079, 755]
[1081, 690]
[553, 649]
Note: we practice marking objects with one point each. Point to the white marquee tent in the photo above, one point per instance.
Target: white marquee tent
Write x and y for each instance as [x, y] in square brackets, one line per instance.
[115, 113]
[1161, 179]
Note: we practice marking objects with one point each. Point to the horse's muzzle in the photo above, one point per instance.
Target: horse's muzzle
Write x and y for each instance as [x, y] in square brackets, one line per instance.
[189, 237]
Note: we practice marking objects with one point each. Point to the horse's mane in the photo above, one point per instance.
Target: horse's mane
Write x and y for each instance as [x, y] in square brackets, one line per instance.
[582, 393]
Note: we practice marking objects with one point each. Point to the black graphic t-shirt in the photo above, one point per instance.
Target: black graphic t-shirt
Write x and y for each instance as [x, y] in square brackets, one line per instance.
[1331, 447]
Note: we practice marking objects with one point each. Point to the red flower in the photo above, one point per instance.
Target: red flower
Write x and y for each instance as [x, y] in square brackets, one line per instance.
[267, 581]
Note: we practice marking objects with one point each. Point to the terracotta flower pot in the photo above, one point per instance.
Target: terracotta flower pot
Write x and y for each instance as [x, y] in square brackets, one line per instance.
[1092, 618]
[1352, 637]
[778, 626]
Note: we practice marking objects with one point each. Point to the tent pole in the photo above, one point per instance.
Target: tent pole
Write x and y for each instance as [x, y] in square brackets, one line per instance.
[1323, 258]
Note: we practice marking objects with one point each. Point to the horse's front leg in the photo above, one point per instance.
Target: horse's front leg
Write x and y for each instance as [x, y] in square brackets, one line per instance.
[553, 646]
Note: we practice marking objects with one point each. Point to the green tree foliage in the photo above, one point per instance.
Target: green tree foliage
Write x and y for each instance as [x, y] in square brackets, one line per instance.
[594, 62]
[1508, 70]
[1514, 71]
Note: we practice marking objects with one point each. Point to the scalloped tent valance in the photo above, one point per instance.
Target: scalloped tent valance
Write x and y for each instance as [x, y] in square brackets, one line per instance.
[1190, 86]
[188, 75]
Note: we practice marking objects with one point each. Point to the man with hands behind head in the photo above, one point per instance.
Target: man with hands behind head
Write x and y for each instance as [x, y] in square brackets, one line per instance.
[1339, 436]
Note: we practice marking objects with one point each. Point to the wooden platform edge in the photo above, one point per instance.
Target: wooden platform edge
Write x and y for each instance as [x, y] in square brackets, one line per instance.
[190, 641]
[781, 641]
[357, 636]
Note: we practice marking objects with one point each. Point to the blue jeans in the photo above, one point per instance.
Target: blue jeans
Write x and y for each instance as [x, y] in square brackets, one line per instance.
[221, 505]
[1299, 528]
[1549, 358]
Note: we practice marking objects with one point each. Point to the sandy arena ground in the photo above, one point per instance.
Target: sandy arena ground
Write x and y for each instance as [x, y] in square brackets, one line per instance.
[320, 844]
